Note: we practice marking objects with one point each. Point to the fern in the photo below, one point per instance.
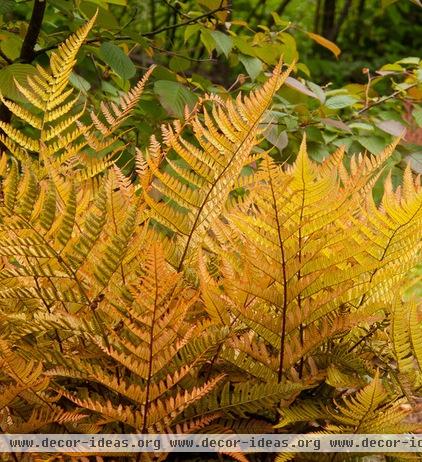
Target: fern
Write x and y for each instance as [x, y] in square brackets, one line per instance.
[170, 303]
[223, 143]
[59, 140]
[295, 269]
[145, 353]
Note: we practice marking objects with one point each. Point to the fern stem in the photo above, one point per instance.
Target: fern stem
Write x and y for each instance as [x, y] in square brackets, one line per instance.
[151, 341]
[283, 266]
[299, 273]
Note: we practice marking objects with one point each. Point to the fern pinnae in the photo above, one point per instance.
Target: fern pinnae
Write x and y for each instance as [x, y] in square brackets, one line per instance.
[22, 113]
[214, 168]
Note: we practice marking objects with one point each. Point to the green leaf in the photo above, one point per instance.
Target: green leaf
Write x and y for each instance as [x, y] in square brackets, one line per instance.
[174, 97]
[20, 72]
[116, 2]
[114, 56]
[208, 40]
[11, 46]
[253, 66]
[103, 3]
[386, 3]
[105, 19]
[243, 45]
[223, 41]
[417, 115]
[340, 101]
[179, 64]
[410, 60]
[317, 90]
[290, 53]
[361, 126]
[79, 82]
[6, 6]
[374, 144]
[276, 138]
[191, 29]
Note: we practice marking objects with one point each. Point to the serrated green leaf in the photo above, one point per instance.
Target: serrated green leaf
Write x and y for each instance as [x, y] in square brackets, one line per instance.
[340, 101]
[253, 66]
[207, 40]
[374, 144]
[223, 41]
[115, 57]
[174, 97]
[191, 29]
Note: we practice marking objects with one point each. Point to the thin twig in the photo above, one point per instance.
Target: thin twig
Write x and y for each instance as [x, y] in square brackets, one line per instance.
[386, 98]
[146, 34]
[185, 23]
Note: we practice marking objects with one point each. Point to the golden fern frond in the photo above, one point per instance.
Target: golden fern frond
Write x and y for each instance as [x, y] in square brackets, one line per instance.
[22, 113]
[369, 410]
[55, 233]
[246, 400]
[306, 411]
[296, 253]
[406, 333]
[41, 418]
[61, 143]
[223, 142]
[24, 404]
[149, 346]
[115, 113]
[18, 375]
[54, 116]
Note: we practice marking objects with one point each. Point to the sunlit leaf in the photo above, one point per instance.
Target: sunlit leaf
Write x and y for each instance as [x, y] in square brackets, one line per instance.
[325, 43]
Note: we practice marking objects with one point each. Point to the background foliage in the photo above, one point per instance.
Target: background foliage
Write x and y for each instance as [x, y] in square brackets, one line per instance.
[336, 94]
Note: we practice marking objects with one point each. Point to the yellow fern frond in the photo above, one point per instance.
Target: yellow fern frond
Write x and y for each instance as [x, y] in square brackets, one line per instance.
[223, 142]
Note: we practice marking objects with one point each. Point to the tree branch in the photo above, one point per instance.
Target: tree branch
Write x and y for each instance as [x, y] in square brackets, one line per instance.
[146, 34]
[385, 98]
[341, 18]
[184, 23]
[28, 54]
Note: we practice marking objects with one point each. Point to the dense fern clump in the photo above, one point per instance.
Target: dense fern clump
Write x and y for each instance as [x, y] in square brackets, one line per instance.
[195, 297]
